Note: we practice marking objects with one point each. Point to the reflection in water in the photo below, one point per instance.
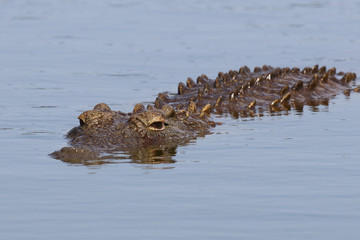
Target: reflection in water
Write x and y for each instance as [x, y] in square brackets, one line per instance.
[295, 107]
[151, 155]
[86, 157]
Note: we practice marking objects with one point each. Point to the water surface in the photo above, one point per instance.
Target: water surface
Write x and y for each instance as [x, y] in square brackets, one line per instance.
[279, 177]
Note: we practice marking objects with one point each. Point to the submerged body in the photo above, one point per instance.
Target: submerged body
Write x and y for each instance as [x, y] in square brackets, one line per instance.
[173, 121]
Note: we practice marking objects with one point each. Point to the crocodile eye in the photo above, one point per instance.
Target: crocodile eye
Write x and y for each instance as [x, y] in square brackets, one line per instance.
[157, 126]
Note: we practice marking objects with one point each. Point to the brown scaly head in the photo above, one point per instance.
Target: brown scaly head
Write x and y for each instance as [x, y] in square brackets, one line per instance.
[149, 134]
[104, 129]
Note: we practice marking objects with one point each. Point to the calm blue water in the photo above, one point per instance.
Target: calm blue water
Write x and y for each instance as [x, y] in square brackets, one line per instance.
[276, 177]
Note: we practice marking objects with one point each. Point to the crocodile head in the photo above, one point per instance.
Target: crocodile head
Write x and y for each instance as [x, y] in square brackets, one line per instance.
[141, 126]
[157, 130]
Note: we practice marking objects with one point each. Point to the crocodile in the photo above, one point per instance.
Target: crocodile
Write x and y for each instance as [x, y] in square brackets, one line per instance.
[154, 132]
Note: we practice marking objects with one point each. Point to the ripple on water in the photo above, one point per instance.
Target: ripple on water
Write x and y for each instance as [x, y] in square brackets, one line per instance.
[45, 106]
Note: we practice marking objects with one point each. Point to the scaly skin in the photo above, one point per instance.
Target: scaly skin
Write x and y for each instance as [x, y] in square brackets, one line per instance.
[148, 133]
